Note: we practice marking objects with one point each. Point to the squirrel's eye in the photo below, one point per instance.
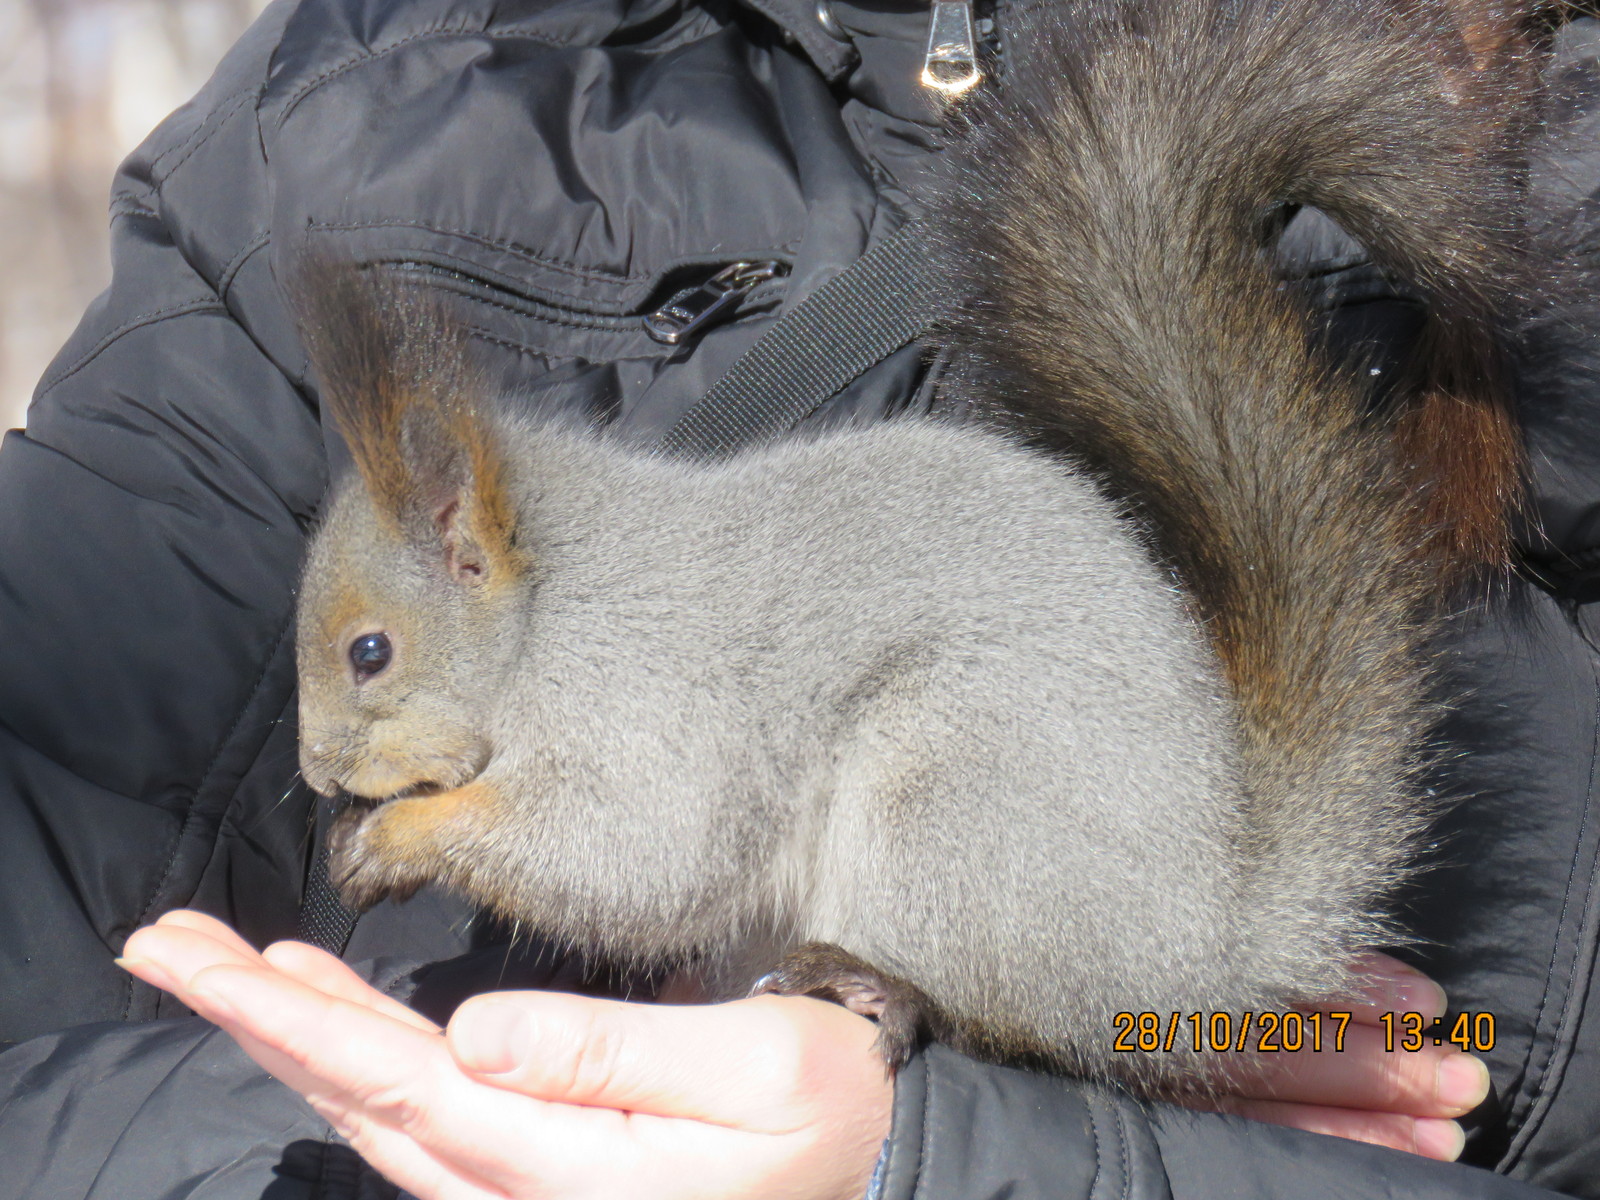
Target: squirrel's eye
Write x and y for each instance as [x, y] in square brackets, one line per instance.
[370, 654]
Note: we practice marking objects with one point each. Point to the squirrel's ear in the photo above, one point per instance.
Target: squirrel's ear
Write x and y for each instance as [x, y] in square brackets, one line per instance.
[395, 370]
[472, 518]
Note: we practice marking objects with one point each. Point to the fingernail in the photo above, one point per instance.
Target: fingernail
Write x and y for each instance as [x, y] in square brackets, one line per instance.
[1419, 994]
[143, 968]
[1463, 1081]
[1443, 1140]
[490, 1036]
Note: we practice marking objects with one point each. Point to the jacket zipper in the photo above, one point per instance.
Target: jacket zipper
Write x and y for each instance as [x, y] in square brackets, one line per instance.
[694, 308]
[951, 64]
[685, 315]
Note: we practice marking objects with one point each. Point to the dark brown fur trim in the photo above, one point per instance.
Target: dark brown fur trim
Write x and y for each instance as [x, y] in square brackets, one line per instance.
[1109, 211]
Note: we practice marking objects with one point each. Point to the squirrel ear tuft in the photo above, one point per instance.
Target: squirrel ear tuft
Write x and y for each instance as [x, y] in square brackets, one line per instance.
[394, 369]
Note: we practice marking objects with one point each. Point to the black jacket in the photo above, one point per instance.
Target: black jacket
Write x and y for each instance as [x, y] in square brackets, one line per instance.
[563, 169]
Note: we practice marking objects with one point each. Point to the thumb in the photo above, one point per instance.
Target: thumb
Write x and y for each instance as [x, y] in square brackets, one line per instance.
[761, 1064]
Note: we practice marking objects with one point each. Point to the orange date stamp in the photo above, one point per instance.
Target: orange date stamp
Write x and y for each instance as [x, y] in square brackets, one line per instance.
[1291, 1031]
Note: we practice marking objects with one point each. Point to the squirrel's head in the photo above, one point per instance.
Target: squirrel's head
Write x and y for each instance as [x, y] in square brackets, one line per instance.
[409, 601]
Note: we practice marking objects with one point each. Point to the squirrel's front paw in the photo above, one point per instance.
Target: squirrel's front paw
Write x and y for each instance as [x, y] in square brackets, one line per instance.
[358, 868]
[391, 850]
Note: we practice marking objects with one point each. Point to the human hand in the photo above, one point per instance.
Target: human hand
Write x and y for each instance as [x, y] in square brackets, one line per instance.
[1404, 1100]
[644, 1089]
[543, 1094]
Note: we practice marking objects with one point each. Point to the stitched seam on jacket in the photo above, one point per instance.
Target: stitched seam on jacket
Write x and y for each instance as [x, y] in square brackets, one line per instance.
[517, 249]
[225, 113]
[927, 1127]
[322, 1168]
[1571, 1013]
[596, 274]
[217, 118]
[190, 817]
[126, 204]
[1099, 1155]
[183, 308]
[1123, 1160]
[232, 267]
[325, 1163]
[438, 32]
[1566, 897]
[1555, 1062]
[526, 348]
[626, 324]
[597, 323]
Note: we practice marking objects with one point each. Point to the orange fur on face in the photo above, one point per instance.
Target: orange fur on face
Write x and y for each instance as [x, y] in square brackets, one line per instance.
[347, 608]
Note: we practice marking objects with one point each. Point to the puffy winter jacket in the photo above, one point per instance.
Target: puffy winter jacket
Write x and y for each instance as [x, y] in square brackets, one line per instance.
[563, 168]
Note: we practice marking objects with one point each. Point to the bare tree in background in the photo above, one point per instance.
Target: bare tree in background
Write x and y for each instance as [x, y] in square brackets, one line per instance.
[81, 81]
[77, 110]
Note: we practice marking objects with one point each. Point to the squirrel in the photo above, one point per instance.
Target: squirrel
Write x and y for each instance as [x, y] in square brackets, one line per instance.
[1112, 701]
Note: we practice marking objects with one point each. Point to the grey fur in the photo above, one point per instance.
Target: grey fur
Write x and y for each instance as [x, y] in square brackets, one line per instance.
[920, 691]
[832, 696]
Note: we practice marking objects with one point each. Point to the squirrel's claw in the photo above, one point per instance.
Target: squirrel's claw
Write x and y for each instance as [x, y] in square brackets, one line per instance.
[906, 1017]
[388, 849]
[357, 873]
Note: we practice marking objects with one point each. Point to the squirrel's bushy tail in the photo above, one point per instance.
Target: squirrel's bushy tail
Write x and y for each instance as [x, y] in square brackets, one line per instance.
[1112, 213]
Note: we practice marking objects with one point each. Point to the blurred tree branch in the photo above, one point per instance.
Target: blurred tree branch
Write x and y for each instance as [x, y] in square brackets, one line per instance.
[75, 77]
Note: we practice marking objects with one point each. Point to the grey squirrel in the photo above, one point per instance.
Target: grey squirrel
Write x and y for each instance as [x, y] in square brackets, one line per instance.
[993, 739]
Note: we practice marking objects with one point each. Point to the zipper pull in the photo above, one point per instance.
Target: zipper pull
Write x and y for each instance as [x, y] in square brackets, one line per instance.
[951, 65]
[692, 309]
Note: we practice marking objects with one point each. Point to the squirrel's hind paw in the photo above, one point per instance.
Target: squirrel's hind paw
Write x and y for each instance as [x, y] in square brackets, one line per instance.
[906, 1018]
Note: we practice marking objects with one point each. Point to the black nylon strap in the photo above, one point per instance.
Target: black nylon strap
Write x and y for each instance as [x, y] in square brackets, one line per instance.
[852, 322]
[324, 920]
